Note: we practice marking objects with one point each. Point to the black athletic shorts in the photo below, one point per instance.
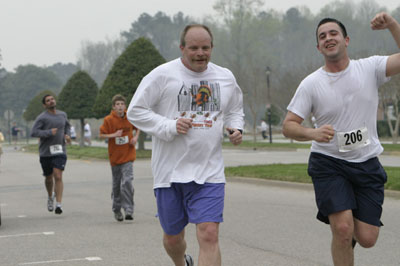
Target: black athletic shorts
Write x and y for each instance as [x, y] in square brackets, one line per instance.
[341, 185]
[48, 163]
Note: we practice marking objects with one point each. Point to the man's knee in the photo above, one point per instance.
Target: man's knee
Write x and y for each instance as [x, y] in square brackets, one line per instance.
[343, 232]
[57, 173]
[367, 241]
[173, 240]
[49, 178]
[366, 234]
[208, 232]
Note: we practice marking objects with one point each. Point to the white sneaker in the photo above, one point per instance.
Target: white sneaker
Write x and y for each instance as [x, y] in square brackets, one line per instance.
[50, 203]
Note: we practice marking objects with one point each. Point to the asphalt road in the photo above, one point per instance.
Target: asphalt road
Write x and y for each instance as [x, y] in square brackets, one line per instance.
[266, 223]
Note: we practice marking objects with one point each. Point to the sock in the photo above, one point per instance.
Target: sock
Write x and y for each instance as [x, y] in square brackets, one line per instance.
[58, 204]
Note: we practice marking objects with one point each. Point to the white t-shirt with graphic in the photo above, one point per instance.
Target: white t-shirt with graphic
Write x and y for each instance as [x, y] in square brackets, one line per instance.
[212, 99]
[347, 100]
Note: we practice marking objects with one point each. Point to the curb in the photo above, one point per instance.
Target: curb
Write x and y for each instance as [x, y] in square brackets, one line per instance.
[292, 185]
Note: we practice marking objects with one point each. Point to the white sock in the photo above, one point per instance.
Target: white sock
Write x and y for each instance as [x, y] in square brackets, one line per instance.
[58, 204]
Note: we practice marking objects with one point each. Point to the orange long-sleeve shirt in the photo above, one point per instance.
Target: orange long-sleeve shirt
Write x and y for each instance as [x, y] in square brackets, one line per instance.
[119, 153]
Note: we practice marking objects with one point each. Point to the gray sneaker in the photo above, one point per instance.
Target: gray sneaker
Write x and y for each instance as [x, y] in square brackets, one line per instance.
[50, 203]
[118, 216]
[189, 260]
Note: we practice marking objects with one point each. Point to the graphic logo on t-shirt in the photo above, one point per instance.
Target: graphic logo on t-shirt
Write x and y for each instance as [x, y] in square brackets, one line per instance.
[201, 102]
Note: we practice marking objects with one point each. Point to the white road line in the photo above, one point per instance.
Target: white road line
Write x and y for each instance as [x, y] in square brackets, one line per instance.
[18, 216]
[60, 261]
[28, 234]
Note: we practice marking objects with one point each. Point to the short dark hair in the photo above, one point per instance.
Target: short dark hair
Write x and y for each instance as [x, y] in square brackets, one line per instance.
[188, 27]
[44, 98]
[327, 20]
[118, 97]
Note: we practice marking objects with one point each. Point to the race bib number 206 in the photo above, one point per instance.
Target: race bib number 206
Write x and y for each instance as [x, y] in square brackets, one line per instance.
[353, 140]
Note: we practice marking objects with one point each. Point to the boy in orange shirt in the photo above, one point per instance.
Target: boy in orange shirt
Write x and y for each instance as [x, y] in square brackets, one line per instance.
[121, 151]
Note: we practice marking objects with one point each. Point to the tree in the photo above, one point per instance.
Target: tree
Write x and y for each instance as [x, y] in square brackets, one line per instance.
[35, 106]
[162, 30]
[78, 97]
[97, 58]
[17, 89]
[276, 115]
[139, 58]
[244, 43]
[63, 71]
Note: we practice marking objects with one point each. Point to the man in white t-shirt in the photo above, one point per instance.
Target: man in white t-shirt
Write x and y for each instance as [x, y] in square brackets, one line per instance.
[185, 104]
[87, 134]
[343, 96]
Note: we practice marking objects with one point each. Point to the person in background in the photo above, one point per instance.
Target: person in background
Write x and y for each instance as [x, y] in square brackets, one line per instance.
[1, 140]
[73, 133]
[263, 128]
[14, 134]
[87, 134]
[53, 130]
[122, 153]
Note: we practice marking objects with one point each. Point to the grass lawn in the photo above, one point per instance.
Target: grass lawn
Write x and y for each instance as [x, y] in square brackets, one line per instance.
[77, 152]
[247, 144]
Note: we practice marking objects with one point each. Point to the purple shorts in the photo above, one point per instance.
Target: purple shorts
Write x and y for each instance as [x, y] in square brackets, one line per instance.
[184, 203]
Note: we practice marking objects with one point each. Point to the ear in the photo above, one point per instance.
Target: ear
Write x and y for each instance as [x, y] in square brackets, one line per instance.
[181, 47]
[318, 47]
[347, 41]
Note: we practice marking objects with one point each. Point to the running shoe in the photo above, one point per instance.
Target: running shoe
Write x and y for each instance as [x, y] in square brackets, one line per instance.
[189, 260]
[58, 210]
[118, 216]
[50, 203]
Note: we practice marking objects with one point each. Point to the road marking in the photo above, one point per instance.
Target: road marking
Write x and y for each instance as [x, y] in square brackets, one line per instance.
[60, 261]
[28, 234]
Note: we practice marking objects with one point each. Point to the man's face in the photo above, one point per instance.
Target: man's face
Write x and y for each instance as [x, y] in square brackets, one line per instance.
[119, 107]
[331, 42]
[49, 102]
[197, 51]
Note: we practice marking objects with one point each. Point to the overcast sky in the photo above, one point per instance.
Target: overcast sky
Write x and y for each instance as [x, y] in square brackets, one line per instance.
[44, 32]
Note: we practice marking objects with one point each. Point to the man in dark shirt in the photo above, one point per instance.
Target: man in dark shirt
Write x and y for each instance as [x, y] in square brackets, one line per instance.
[53, 129]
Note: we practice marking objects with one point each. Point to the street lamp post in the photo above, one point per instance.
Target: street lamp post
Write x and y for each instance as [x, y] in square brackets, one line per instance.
[268, 72]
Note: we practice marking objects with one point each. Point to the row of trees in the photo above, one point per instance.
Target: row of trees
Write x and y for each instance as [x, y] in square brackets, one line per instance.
[81, 98]
[249, 37]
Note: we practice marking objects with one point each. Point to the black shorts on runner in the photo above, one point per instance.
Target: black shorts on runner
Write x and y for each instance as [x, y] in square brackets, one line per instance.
[341, 185]
[48, 163]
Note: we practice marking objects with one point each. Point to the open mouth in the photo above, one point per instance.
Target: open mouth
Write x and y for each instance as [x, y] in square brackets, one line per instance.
[331, 45]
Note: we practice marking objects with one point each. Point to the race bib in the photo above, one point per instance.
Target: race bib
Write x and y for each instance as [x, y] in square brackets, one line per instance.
[121, 140]
[353, 140]
[56, 149]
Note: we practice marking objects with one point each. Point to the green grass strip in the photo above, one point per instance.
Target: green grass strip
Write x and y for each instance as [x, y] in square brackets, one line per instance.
[77, 152]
